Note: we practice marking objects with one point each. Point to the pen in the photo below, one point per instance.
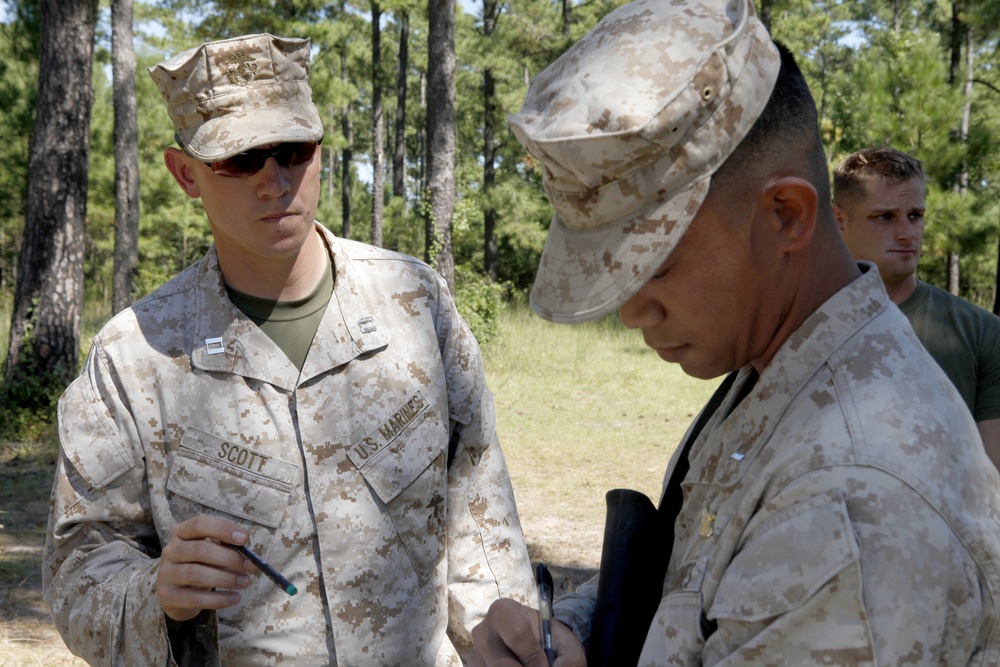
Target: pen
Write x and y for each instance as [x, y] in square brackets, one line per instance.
[272, 574]
[545, 613]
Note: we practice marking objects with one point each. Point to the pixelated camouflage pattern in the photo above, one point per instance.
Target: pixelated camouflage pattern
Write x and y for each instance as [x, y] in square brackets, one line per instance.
[854, 516]
[628, 125]
[340, 474]
[228, 96]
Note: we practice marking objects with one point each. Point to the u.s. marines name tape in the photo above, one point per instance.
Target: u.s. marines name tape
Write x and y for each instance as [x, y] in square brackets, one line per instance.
[387, 431]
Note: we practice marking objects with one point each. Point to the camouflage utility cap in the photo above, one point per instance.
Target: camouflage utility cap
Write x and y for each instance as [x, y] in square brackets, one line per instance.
[229, 96]
[629, 125]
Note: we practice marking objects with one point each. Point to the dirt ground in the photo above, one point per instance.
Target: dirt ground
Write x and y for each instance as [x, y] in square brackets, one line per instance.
[27, 637]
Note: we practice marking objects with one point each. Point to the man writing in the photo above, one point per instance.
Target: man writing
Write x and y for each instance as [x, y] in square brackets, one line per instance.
[878, 201]
[836, 508]
[315, 399]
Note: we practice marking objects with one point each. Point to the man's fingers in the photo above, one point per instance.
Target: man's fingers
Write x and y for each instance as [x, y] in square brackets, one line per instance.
[569, 650]
[508, 637]
[523, 640]
[183, 603]
[203, 526]
[199, 569]
[196, 541]
[198, 575]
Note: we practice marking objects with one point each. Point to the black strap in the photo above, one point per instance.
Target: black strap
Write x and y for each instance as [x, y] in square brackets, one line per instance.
[673, 496]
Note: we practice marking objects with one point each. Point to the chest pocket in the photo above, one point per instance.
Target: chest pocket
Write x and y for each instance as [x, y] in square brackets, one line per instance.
[801, 566]
[404, 462]
[252, 486]
[231, 478]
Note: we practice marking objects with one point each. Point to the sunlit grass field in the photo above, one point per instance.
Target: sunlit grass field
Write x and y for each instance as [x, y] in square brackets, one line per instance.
[582, 409]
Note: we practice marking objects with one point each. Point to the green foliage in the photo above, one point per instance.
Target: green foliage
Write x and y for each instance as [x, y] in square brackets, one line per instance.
[480, 302]
[28, 400]
[877, 84]
[18, 91]
[219, 19]
[403, 228]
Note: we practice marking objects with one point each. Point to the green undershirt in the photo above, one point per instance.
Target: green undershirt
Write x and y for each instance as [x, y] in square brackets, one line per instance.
[291, 325]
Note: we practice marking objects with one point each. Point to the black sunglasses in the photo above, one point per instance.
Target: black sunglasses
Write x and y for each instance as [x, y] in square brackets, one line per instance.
[248, 163]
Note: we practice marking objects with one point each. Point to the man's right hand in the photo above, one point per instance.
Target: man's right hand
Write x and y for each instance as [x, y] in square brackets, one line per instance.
[509, 636]
[198, 570]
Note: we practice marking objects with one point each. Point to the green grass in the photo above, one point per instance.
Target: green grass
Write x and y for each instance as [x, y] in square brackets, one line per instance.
[582, 409]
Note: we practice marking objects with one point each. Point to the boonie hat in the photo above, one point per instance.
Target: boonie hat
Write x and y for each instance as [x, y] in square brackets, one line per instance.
[629, 125]
[229, 96]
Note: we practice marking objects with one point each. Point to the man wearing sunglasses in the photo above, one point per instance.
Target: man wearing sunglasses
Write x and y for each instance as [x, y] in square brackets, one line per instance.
[317, 400]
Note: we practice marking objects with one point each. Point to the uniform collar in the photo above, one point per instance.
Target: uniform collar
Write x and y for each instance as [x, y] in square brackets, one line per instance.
[729, 445]
[226, 341]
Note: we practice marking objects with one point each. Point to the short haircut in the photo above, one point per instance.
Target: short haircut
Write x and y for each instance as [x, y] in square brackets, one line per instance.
[854, 173]
[789, 118]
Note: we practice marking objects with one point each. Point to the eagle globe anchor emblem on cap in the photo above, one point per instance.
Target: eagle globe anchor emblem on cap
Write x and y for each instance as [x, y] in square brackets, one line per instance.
[242, 72]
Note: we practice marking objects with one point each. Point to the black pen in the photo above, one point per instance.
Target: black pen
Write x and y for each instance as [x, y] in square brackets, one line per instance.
[544, 580]
[272, 574]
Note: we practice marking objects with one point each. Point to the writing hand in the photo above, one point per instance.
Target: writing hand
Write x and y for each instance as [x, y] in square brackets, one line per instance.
[508, 637]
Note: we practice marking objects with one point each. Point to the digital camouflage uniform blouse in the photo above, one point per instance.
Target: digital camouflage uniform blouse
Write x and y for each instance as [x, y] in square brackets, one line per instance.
[373, 479]
[844, 513]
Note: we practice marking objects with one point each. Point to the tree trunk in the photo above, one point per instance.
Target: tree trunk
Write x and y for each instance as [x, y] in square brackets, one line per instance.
[567, 16]
[399, 154]
[961, 29]
[489, 150]
[996, 285]
[765, 13]
[422, 189]
[332, 163]
[970, 75]
[347, 126]
[378, 129]
[126, 156]
[48, 299]
[955, 49]
[953, 272]
[489, 179]
[441, 133]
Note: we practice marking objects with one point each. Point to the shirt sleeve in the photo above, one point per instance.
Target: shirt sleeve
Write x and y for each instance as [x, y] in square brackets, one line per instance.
[576, 609]
[487, 555]
[102, 550]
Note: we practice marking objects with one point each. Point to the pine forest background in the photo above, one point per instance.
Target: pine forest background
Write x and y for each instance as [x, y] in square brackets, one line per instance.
[921, 75]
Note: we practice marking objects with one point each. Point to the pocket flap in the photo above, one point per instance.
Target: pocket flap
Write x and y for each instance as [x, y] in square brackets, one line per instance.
[789, 558]
[394, 455]
[89, 437]
[232, 478]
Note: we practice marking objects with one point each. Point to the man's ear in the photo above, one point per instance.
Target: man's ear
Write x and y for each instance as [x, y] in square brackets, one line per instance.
[180, 167]
[839, 216]
[792, 204]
